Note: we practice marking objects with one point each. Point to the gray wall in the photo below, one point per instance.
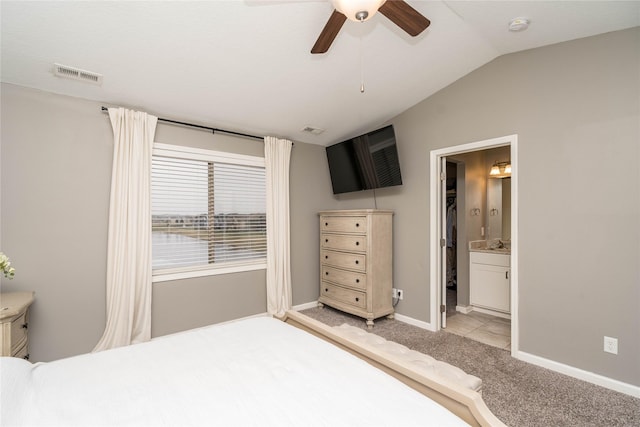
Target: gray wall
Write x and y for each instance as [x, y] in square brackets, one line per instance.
[576, 109]
[56, 167]
[55, 177]
[310, 192]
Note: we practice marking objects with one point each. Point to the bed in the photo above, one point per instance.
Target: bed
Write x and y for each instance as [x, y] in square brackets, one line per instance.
[255, 372]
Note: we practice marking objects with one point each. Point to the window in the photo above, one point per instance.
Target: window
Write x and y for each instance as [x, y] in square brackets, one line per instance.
[208, 212]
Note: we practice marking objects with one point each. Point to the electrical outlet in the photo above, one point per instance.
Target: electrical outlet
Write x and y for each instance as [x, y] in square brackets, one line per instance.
[397, 293]
[611, 345]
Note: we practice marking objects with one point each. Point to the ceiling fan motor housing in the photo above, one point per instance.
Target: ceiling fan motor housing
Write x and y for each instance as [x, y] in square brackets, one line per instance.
[362, 15]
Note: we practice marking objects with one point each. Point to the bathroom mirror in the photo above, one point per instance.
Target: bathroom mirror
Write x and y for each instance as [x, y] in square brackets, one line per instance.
[498, 212]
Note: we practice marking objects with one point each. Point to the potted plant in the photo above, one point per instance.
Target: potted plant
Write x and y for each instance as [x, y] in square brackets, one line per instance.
[5, 266]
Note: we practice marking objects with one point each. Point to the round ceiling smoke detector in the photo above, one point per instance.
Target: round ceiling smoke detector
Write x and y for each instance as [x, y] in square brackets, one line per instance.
[519, 24]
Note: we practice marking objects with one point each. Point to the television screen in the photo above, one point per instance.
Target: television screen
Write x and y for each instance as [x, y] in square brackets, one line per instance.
[343, 168]
[365, 162]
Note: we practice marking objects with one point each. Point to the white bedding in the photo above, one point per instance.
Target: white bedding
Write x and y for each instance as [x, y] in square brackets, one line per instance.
[257, 372]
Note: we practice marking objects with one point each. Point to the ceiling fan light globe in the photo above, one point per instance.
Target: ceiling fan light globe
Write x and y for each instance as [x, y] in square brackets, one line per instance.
[353, 9]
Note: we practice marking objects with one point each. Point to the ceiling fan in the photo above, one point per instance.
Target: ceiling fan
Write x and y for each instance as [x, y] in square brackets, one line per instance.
[398, 11]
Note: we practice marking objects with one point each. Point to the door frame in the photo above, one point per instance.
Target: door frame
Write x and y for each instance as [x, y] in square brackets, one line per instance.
[436, 272]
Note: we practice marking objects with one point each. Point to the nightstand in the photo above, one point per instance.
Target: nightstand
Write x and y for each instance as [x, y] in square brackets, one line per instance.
[14, 323]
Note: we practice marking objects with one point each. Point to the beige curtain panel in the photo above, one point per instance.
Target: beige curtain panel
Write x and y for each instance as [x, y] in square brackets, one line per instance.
[277, 156]
[129, 240]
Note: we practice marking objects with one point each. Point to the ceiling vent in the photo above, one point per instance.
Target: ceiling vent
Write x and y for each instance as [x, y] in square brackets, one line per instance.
[77, 74]
[312, 130]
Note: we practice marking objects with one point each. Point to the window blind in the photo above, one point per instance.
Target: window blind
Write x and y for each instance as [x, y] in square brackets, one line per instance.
[206, 212]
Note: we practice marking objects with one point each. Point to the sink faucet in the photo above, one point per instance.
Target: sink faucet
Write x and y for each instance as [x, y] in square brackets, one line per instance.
[496, 244]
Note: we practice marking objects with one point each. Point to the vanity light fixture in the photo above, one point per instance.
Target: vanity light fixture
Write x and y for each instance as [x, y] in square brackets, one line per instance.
[500, 170]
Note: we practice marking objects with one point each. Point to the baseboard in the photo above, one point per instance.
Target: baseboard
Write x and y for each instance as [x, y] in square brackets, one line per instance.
[399, 317]
[464, 309]
[299, 307]
[305, 306]
[580, 374]
[490, 312]
[414, 322]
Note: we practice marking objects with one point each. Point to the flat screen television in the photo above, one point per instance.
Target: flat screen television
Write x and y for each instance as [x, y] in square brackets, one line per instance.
[365, 162]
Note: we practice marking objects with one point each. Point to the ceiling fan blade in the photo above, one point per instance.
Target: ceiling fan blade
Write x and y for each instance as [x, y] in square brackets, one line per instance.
[404, 16]
[329, 32]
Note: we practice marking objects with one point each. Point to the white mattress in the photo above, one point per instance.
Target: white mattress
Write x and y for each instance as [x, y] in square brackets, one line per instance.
[257, 372]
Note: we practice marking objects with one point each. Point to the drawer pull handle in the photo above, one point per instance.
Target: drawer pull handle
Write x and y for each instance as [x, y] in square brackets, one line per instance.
[326, 240]
[326, 224]
[326, 273]
[326, 289]
[357, 280]
[506, 274]
[357, 243]
[25, 326]
[357, 262]
[357, 299]
[357, 224]
[326, 257]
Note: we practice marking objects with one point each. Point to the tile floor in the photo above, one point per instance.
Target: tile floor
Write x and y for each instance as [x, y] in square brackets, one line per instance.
[490, 330]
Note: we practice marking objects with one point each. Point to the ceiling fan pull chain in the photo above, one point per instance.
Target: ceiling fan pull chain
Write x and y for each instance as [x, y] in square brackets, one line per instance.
[361, 63]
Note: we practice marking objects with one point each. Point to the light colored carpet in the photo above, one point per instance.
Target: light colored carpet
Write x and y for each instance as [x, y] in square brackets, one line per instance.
[519, 393]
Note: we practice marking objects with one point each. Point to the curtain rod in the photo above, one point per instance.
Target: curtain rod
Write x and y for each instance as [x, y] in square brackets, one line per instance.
[213, 130]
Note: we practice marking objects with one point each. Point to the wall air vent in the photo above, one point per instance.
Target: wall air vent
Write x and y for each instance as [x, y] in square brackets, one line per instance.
[77, 74]
[312, 130]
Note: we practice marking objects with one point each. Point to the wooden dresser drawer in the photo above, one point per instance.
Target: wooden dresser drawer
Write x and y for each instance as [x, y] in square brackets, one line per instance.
[344, 260]
[344, 224]
[348, 296]
[345, 242]
[344, 277]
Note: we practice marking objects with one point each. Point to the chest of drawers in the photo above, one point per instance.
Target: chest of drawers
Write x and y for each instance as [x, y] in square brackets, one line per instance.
[356, 262]
[14, 321]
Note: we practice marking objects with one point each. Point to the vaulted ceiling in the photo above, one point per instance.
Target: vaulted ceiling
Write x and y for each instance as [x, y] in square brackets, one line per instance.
[246, 65]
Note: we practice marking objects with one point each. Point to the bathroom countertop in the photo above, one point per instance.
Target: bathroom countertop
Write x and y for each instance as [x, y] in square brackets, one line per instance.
[501, 251]
[485, 246]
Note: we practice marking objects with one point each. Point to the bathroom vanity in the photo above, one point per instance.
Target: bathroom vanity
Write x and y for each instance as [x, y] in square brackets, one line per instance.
[489, 279]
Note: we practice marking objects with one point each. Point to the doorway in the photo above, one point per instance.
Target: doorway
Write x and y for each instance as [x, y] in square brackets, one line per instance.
[473, 220]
